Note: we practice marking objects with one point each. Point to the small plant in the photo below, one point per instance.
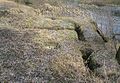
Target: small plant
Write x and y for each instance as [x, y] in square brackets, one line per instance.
[29, 22]
[3, 12]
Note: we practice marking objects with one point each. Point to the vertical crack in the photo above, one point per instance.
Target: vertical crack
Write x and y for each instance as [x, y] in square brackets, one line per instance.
[118, 55]
[79, 33]
[99, 32]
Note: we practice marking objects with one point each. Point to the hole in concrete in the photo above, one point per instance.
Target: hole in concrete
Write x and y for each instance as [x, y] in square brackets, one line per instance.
[92, 65]
[86, 53]
[89, 59]
[89, 62]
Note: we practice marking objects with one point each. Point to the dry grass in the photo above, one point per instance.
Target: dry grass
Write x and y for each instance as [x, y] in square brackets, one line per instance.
[42, 48]
[67, 64]
[67, 68]
[101, 2]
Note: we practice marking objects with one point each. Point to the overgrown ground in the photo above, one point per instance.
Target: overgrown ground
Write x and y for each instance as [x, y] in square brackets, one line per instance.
[56, 2]
[53, 44]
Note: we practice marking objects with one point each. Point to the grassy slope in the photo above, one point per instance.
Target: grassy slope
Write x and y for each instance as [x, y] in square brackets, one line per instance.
[35, 50]
[98, 2]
